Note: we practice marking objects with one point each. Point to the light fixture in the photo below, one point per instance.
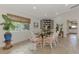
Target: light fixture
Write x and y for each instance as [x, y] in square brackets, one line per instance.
[66, 5]
[74, 26]
[34, 7]
[56, 13]
[45, 15]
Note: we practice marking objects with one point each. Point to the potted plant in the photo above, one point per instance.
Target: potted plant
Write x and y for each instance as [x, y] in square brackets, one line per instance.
[8, 26]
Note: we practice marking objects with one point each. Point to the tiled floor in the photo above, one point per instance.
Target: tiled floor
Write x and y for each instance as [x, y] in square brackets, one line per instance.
[68, 45]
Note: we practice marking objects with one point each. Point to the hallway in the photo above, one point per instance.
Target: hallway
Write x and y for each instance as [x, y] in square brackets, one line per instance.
[65, 46]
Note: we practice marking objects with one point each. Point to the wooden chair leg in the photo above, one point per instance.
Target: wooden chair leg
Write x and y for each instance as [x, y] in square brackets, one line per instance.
[51, 45]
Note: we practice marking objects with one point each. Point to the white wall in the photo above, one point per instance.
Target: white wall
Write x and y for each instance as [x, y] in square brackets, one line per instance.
[1, 32]
[16, 36]
[32, 29]
[61, 20]
[20, 35]
[70, 15]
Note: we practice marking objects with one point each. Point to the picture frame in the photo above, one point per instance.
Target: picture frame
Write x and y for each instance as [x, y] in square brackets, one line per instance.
[36, 25]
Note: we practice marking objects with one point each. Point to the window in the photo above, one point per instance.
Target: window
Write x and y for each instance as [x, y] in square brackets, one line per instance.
[21, 26]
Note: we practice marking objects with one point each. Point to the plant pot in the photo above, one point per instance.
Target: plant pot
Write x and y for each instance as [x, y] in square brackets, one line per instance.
[8, 37]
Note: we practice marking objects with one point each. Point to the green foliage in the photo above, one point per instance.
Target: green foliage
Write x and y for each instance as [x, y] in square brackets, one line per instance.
[8, 25]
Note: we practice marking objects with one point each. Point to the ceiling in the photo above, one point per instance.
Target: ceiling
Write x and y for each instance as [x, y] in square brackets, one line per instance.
[36, 10]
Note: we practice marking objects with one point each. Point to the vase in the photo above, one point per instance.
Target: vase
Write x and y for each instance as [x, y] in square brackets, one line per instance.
[8, 37]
